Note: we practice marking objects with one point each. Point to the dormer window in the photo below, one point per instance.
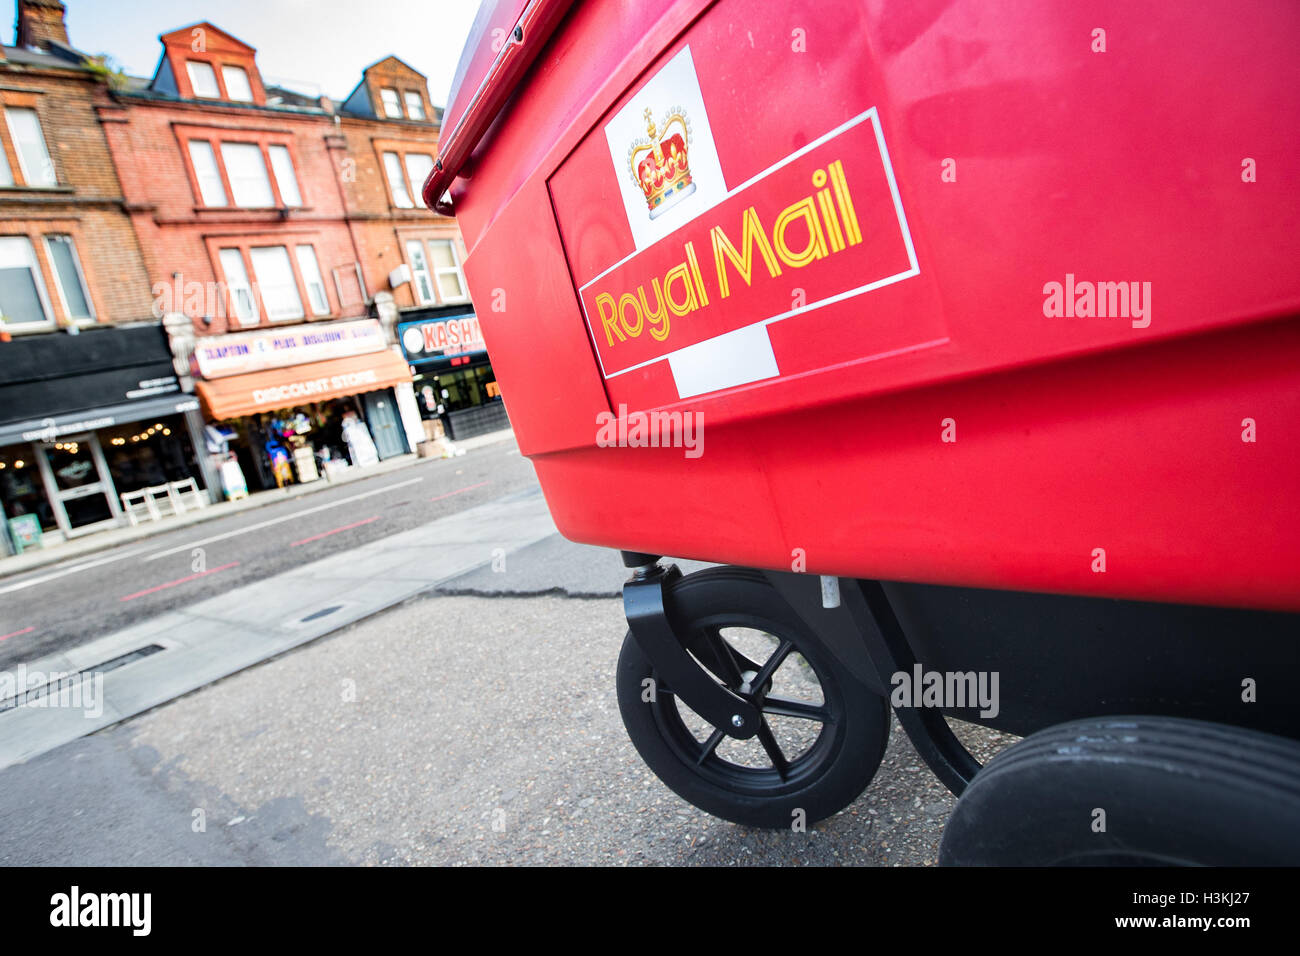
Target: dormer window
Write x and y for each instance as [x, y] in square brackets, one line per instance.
[202, 79]
[237, 87]
[414, 105]
[392, 105]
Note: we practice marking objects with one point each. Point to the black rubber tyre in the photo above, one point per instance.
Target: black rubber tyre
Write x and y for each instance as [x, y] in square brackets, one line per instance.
[1175, 793]
[702, 766]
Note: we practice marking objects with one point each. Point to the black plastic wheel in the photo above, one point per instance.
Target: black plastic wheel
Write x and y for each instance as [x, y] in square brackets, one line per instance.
[1173, 792]
[823, 732]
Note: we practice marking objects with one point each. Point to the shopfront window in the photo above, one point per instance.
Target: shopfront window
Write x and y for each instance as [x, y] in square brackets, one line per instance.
[21, 489]
[150, 454]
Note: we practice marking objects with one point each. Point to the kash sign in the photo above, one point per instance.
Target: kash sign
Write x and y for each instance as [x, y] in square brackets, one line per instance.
[821, 225]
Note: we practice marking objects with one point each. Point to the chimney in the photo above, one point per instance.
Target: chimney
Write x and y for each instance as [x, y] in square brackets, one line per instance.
[40, 22]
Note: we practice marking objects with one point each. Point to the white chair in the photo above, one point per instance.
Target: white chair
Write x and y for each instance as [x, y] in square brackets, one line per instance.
[178, 491]
[137, 506]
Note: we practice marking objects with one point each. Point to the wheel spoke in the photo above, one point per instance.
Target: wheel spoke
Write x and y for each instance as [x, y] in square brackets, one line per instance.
[710, 745]
[776, 660]
[784, 707]
[766, 738]
[724, 656]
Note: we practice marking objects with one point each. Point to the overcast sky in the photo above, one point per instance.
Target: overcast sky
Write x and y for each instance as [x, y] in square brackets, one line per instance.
[315, 46]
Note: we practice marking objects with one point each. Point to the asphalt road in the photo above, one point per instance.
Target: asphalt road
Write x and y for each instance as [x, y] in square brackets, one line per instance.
[450, 730]
[53, 607]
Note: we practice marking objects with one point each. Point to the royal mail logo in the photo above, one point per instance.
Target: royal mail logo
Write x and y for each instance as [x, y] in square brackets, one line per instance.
[660, 161]
[827, 219]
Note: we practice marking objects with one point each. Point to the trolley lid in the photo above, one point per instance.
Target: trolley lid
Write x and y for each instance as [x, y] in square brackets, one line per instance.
[507, 37]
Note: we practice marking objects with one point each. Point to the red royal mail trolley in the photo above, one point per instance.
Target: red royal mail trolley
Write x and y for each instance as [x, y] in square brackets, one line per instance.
[964, 336]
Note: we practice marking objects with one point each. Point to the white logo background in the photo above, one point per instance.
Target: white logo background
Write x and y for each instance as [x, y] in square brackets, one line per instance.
[674, 85]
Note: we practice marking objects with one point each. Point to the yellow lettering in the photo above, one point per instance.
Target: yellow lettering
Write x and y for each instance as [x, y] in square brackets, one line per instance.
[658, 316]
[626, 299]
[833, 232]
[608, 321]
[846, 203]
[687, 305]
[695, 273]
[816, 248]
[751, 234]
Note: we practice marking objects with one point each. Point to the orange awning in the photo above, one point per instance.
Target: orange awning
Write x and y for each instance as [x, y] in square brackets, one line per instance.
[268, 391]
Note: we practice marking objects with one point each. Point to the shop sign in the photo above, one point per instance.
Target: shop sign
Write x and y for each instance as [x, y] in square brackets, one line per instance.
[242, 352]
[307, 389]
[442, 338]
[55, 428]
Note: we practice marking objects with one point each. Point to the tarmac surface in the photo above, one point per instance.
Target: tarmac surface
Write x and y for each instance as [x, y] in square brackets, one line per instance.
[473, 723]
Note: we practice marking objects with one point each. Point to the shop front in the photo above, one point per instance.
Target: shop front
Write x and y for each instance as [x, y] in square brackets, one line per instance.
[89, 425]
[299, 404]
[453, 381]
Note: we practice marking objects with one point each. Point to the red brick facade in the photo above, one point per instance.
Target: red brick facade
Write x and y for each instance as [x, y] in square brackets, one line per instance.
[78, 196]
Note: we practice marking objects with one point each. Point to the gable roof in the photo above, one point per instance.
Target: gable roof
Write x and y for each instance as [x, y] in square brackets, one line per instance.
[400, 62]
[227, 42]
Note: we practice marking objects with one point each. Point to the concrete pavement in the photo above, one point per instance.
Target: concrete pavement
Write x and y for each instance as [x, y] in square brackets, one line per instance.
[449, 729]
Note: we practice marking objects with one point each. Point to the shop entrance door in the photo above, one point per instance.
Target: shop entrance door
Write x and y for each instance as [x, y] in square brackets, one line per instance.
[385, 428]
[78, 484]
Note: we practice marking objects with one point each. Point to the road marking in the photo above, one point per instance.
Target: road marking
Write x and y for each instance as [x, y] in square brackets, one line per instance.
[26, 630]
[326, 534]
[172, 584]
[459, 491]
[267, 524]
[32, 582]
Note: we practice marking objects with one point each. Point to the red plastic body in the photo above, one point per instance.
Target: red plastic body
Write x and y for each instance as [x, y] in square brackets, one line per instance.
[943, 426]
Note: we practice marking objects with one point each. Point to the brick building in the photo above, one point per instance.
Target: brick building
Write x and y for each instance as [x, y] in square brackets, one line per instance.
[389, 131]
[85, 367]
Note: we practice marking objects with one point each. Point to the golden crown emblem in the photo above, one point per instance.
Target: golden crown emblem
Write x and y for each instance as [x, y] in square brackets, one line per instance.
[659, 162]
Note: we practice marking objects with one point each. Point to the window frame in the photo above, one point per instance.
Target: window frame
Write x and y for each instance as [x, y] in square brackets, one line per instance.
[42, 291]
[307, 282]
[425, 242]
[81, 278]
[216, 137]
[407, 96]
[244, 246]
[403, 149]
[12, 147]
[458, 268]
[248, 82]
[211, 67]
[397, 98]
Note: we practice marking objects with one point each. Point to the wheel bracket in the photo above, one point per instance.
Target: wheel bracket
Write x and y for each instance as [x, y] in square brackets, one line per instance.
[644, 602]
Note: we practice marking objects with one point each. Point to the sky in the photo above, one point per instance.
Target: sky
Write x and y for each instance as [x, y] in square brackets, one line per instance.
[312, 46]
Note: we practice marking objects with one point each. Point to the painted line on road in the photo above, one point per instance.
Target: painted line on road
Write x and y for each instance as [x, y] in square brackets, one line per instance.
[26, 630]
[460, 491]
[273, 521]
[85, 565]
[326, 534]
[172, 584]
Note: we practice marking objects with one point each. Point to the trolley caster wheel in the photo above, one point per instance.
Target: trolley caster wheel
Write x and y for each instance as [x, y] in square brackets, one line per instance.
[1174, 792]
[823, 732]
